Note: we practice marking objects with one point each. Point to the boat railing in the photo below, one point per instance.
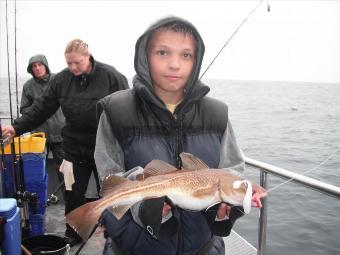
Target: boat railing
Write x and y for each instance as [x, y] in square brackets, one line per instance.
[309, 182]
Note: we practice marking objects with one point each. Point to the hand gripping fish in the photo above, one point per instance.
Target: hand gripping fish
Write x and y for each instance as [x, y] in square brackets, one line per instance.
[195, 187]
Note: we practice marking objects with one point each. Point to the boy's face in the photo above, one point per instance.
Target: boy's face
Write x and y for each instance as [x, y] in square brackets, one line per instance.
[171, 57]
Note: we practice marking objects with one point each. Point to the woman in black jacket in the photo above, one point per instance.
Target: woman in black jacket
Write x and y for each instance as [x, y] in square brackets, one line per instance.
[76, 90]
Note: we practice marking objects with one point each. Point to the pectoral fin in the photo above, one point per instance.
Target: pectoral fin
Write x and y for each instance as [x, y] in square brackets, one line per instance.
[119, 211]
[110, 182]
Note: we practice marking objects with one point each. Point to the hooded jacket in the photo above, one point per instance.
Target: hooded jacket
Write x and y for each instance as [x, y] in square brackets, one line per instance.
[148, 130]
[77, 96]
[32, 90]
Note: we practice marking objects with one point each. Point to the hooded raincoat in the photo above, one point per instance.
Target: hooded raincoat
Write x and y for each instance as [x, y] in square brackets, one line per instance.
[147, 130]
[32, 90]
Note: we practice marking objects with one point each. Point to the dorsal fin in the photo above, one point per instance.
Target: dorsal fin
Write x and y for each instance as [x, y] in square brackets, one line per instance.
[191, 162]
[110, 182]
[158, 167]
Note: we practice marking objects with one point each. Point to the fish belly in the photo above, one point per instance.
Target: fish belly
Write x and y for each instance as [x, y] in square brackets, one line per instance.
[194, 203]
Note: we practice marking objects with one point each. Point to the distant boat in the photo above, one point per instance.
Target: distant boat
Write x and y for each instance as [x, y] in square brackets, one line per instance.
[294, 108]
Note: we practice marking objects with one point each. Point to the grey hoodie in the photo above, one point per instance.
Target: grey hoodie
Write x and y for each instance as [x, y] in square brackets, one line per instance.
[147, 130]
[34, 88]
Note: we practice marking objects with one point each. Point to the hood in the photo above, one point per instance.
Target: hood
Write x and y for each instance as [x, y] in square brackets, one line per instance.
[143, 82]
[37, 58]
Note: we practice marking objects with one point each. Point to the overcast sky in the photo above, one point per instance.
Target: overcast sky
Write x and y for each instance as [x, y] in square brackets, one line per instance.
[295, 41]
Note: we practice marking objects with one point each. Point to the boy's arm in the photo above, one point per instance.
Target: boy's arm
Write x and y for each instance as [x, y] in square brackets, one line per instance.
[231, 156]
[108, 154]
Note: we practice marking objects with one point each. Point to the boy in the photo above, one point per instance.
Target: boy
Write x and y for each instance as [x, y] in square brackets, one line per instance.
[167, 113]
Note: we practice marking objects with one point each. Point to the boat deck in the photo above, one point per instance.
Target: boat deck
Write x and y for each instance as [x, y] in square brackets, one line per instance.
[54, 219]
[55, 225]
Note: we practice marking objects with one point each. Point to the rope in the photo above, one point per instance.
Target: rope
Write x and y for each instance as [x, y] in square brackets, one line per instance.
[308, 171]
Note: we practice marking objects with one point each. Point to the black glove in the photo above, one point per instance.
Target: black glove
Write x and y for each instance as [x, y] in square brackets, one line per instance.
[222, 228]
[150, 213]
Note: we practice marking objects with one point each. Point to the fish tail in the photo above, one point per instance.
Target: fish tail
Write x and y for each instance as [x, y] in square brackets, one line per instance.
[83, 219]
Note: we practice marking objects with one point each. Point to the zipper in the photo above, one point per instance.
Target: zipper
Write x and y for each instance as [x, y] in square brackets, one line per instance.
[179, 140]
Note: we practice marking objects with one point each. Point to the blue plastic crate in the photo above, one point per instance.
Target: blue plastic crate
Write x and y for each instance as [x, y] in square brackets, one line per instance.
[34, 171]
[37, 224]
[40, 188]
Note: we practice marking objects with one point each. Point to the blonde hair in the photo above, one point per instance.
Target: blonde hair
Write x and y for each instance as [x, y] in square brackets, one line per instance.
[78, 46]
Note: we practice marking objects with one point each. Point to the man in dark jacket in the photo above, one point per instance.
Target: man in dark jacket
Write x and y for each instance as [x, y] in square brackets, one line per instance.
[76, 90]
[34, 88]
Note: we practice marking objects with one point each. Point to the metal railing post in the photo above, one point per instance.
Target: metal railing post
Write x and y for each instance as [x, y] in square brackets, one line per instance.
[262, 236]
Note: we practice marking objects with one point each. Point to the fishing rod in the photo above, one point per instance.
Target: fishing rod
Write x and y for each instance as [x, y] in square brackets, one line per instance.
[20, 193]
[2, 149]
[29, 199]
[234, 33]
[8, 68]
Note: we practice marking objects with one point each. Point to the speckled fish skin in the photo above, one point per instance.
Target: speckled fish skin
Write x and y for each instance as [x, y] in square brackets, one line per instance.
[192, 190]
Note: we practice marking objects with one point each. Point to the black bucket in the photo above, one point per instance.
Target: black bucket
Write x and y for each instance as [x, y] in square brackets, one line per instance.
[46, 244]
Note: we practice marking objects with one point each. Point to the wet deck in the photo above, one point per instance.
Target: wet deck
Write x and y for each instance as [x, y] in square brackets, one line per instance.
[55, 223]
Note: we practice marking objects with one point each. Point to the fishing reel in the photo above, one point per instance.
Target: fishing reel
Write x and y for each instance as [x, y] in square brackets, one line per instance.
[32, 199]
[53, 199]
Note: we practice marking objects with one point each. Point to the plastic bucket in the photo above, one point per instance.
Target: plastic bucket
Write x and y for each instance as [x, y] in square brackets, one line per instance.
[46, 244]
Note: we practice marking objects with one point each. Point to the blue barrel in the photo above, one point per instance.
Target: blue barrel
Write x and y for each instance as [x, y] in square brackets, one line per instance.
[12, 234]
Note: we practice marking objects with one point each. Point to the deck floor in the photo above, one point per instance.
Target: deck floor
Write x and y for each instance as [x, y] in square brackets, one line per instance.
[55, 223]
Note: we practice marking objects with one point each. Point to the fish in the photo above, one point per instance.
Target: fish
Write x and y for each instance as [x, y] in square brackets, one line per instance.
[195, 187]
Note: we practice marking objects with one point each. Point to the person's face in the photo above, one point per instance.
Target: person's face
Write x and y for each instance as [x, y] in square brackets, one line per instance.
[171, 57]
[39, 70]
[78, 63]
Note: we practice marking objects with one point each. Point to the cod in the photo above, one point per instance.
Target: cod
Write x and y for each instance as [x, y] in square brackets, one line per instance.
[194, 187]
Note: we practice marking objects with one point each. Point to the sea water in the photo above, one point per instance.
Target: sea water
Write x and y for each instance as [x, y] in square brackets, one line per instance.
[292, 125]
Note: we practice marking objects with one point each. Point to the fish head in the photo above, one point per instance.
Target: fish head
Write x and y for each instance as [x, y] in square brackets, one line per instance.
[246, 203]
[236, 191]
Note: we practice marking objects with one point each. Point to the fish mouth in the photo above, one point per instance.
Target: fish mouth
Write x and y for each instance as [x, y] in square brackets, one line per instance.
[247, 198]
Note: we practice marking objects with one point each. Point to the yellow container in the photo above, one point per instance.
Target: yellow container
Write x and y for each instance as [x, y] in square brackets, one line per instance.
[34, 143]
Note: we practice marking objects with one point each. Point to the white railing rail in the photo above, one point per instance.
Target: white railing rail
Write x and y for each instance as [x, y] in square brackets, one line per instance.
[286, 174]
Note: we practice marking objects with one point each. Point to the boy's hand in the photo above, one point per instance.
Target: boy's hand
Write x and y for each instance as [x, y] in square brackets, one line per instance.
[258, 193]
[223, 211]
[166, 209]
